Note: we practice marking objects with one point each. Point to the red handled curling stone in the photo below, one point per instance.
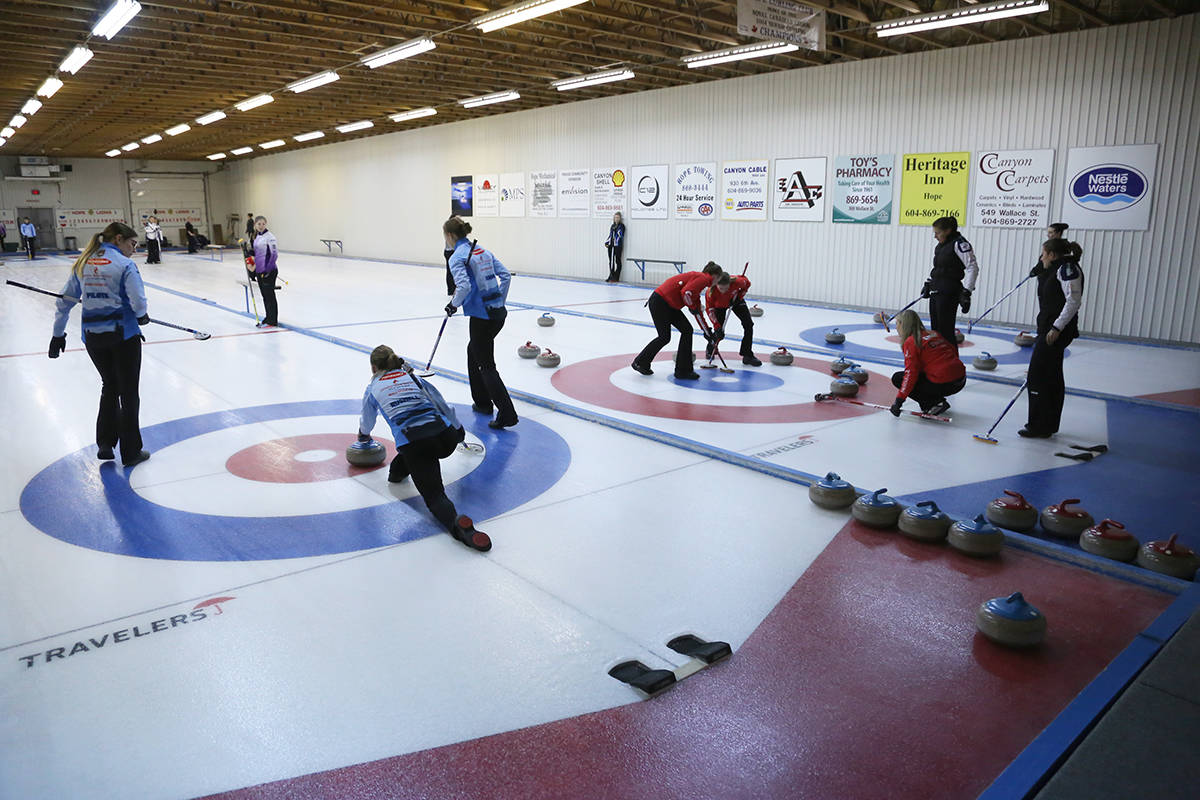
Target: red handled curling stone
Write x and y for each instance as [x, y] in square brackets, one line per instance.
[548, 359]
[529, 350]
[781, 357]
[366, 454]
[755, 311]
[984, 361]
[835, 337]
[545, 320]
[832, 492]
[1169, 558]
[1067, 523]
[876, 510]
[1111, 540]
[843, 387]
[840, 365]
[958, 336]
[976, 537]
[856, 373]
[1011, 621]
[924, 522]
[1024, 339]
[1013, 512]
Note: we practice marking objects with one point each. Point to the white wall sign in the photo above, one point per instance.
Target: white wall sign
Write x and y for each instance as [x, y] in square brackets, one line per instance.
[9, 217]
[744, 186]
[695, 191]
[798, 193]
[89, 217]
[1109, 188]
[609, 187]
[862, 188]
[543, 193]
[784, 20]
[650, 193]
[574, 193]
[170, 217]
[512, 194]
[1012, 188]
[486, 196]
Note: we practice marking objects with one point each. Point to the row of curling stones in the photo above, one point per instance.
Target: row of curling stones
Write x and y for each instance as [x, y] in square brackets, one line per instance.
[545, 358]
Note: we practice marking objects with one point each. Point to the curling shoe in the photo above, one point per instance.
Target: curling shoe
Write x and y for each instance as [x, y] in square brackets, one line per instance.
[136, 458]
[639, 368]
[464, 531]
[751, 360]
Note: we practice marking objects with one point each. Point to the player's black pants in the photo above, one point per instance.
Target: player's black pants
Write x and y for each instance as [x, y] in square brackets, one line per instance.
[30, 245]
[420, 460]
[192, 241]
[943, 311]
[664, 317]
[119, 362]
[742, 312]
[487, 389]
[266, 286]
[614, 263]
[153, 251]
[926, 393]
[449, 275]
[1047, 388]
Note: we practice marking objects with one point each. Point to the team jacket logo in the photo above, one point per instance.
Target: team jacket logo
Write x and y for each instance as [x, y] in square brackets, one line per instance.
[796, 191]
[1108, 187]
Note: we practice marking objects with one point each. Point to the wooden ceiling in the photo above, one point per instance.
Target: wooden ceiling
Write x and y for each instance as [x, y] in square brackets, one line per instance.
[179, 59]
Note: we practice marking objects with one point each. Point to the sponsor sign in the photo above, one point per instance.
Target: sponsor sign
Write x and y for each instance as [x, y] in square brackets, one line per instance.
[9, 217]
[783, 20]
[609, 189]
[862, 188]
[487, 195]
[744, 190]
[460, 195]
[1012, 188]
[933, 185]
[798, 193]
[1109, 188]
[694, 191]
[512, 194]
[89, 217]
[168, 217]
[650, 192]
[574, 193]
[543, 194]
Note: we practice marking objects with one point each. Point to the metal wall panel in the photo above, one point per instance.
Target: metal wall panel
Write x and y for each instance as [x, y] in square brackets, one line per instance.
[386, 196]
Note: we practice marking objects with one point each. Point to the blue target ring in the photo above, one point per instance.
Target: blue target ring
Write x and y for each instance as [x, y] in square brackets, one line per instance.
[63, 501]
[742, 380]
[864, 353]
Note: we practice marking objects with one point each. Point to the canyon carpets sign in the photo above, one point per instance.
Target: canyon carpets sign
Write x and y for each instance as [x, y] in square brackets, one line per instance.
[1012, 188]
[1109, 188]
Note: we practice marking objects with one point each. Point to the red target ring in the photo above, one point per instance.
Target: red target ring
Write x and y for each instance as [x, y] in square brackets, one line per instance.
[300, 459]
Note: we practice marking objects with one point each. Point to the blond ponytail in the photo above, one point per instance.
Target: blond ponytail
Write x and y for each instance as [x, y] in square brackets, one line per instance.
[385, 358]
[109, 234]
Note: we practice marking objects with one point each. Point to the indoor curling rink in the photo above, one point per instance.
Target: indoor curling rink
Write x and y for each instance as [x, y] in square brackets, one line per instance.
[245, 616]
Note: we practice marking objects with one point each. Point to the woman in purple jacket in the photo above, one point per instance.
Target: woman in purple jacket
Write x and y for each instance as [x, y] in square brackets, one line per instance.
[266, 254]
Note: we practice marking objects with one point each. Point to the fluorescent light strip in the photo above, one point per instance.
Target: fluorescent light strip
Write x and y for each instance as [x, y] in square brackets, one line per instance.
[215, 157]
[313, 81]
[254, 102]
[308, 137]
[117, 17]
[355, 126]
[7, 133]
[49, 87]
[208, 119]
[405, 50]
[152, 138]
[111, 153]
[737, 54]
[75, 60]
[131, 146]
[3, 141]
[416, 113]
[964, 15]
[17, 121]
[520, 13]
[31, 106]
[488, 99]
[178, 129]
[272, 144]
[241, 151]
[595, 79]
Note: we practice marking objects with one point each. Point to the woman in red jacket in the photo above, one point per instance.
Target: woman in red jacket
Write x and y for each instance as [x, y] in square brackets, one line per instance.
[932, 369]
[729, 294]
[666, 310]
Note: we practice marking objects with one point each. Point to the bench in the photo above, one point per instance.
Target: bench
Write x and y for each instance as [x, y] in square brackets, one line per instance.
[214, 250]
[642, 262]
[329, 243]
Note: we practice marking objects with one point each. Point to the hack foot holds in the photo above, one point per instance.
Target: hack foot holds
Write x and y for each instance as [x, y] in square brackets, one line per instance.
[545, 320]
[548, 359]
[843, 387]
[835, 337]
[1111, 540]
[840, 365]
[856, 374]
[924, 522]
[1011, 621]
[529, 350]
[755, 311]
[1024, 339]
[1169, 558]
[366, 454]
[1013, 512]
[832, 492]
[976, 537]
[876, 510]
[984, 361]
[781, 357]
[1067, 523]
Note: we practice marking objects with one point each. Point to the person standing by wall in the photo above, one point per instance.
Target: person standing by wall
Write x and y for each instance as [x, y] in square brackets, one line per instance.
[193, 237]
[29, 238]
[3, 234]
[1060, 294]
[615, 243]
[266, 256]
[250, 227]
[952, 279]
[153, 241]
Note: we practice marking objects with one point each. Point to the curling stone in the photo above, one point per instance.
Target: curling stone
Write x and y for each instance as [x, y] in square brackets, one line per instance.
[976, 537]
[835, 337]
[545, 320]
[832, 492]
[879, 317]
[781, 357]
[548, 359]
[1024, 339]
[755, 311]
[366, 454]
[958, 336]
[529, 350]
[1011, 621]
[1111, 540]
[841, 365]
[1169, 558]
[984, 361]
[856, 373]
[876, 510]
[924, 522]
[1058, 520]
[1013, 512]
[843, 387]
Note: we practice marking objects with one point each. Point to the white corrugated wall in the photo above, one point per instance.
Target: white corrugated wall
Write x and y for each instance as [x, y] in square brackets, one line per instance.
[386, 196]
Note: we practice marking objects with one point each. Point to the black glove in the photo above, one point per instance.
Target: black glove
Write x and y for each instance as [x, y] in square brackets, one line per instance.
[144, 319]
[927, 289]
[57, 345]
[710, 337]
[895, 409]
[450, 309]
[364, 437]
[719, 333]
[964, 300]
[1037, 270]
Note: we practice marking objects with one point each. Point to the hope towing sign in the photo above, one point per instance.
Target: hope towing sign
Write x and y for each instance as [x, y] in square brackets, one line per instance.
[1012, 188]
[695, 190]
[1109, 188]
[933, 185]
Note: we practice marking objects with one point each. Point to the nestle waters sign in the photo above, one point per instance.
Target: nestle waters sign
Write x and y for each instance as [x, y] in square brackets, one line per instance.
[1109, 188]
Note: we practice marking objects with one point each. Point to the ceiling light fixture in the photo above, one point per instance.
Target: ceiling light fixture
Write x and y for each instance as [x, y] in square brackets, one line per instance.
[313, 81]
[757, 50]
[31, 106]
[3, 141]
[594, 79]
[272, 144]
[76, 59]
[114, 152]
[17, 121]
[241, 151]
[117, 17]
[488, 99]
[152, 138]
[404, 50]
[208, 119]
[131, 146]
[964, 15]
[49, 87]
[416, 113]
[254, 102]
[355, 126]
[520, 13]
[308, 137]
[215, 157]
[7, 133]
[178, 129]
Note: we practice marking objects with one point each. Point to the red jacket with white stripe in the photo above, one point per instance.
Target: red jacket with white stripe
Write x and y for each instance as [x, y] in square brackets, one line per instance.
[684, 290]
[935, 357]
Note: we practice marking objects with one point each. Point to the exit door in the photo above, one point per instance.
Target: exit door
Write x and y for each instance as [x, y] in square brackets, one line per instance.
[43, 220]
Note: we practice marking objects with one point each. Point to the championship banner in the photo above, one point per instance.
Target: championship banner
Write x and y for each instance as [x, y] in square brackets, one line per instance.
[1109, 188]
[609, 187]
[782, 20]
[744, 187]
[862, 189]
[798, 194]
[89, 217]
[1012, 188]
[512, 194]
[650, 190]
[574, 193]
[487, 196]
[460, 195]
[543, 194]
[170, 217]
[933, 185]
[695, 191]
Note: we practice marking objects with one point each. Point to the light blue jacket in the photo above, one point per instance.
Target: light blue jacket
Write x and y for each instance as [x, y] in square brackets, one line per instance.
[480, 285]
[406, 402]
[28, 230]
[112, 293]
